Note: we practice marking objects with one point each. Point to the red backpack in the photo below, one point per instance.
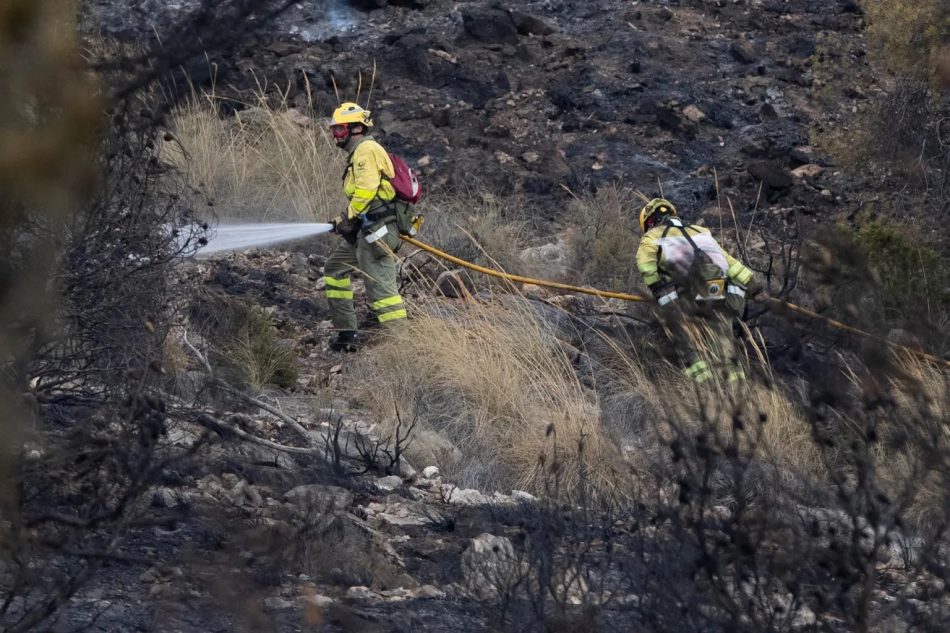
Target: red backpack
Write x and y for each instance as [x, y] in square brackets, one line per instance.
[405, 181]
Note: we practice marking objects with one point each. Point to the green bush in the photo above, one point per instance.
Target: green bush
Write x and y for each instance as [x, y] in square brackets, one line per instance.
[907, 35]
[244, 341]
[912, 276]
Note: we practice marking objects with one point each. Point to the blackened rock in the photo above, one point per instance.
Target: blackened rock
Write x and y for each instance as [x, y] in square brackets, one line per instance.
[305, 307]
[454, 284]
[494, 27]
[851, 6]
[743, 51]
[368, 5]
[411, 4]
[530, 25]
[442, 117]
[767, 112]
[227, 279]
[772, 174]
[668, 118]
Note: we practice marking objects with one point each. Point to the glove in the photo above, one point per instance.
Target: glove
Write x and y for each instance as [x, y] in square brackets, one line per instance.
[755, 287]
[657, 288]
[343, 225]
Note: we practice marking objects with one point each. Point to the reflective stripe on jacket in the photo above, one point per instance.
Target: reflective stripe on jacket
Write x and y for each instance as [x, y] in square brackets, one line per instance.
[654, 270]
[367, 176]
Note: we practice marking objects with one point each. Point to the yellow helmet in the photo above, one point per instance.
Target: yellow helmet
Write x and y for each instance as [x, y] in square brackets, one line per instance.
[351, 113]
[651, 208]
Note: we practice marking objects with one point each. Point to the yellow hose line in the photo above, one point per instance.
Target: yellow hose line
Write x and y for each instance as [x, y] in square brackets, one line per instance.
[776, 303]
[523, 280]
[771, 301]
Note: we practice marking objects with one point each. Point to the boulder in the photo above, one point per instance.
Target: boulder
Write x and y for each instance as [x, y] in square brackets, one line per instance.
[523, 497]
[772, 174]
[694, 114]
[808, 171]
[276, 603]
[464, 496]
[491, 27]
[316, 601]
[390, 483]
[403, 512]
[527, 24]
[454, 284]
[489, 566]
[319, 496]
[553, 258]
[743, 51]
[430, 472]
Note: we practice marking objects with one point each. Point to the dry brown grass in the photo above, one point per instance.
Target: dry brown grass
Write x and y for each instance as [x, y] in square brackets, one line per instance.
[478, 226]
[774, 430]
[267, 162]
[495, 380]
[912, 457]
[605, 237]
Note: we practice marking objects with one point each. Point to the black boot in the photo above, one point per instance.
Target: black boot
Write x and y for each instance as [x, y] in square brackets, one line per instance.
[346, 341]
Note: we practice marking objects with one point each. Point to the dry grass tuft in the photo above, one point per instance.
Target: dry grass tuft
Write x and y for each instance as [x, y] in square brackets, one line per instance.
[604, 244]
[478, 226]
[255, 352]
[771, 427]
[912, 455]
[493, 379]
[267, 162]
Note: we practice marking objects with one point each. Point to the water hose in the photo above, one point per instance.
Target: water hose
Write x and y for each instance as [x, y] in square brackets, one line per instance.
[773, 303]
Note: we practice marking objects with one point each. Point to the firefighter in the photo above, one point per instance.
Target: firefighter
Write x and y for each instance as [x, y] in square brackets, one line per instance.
[699, 287]
[367, 226]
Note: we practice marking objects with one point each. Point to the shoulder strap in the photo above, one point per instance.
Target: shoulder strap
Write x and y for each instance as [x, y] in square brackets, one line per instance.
[682, 228]
[659, 249]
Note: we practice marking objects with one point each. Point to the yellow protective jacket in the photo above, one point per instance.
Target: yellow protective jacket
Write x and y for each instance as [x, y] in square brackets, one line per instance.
[652, 261]
[367, 176]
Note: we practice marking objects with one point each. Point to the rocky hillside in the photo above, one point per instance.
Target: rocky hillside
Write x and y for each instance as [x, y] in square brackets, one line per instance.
[218, 468]
[529, 96]
[298, 501]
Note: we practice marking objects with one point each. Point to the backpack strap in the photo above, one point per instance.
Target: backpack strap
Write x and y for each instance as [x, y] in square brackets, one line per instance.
[682, 227]
[674, 223]
[381, 211]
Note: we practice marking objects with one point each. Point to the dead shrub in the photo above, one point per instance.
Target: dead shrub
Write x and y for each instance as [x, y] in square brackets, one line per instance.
[604, 242]
[495, 380]
[477, 226]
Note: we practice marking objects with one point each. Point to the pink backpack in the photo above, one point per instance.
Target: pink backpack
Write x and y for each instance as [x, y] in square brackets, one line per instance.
[405, 181]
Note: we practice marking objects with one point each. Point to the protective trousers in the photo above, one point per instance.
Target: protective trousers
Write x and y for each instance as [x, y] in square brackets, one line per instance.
[372, 256]
[701, 333]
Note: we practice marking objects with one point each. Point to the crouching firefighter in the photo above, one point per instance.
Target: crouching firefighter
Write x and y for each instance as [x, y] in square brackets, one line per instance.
[368, 229]
[699, 287]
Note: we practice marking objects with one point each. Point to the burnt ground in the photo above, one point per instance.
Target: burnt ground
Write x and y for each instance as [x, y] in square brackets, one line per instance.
[231, 547]
[245, 538]
[528, 96]
[524, 96]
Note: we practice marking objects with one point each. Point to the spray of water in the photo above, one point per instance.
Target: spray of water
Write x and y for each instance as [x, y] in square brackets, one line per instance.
[238, 237]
